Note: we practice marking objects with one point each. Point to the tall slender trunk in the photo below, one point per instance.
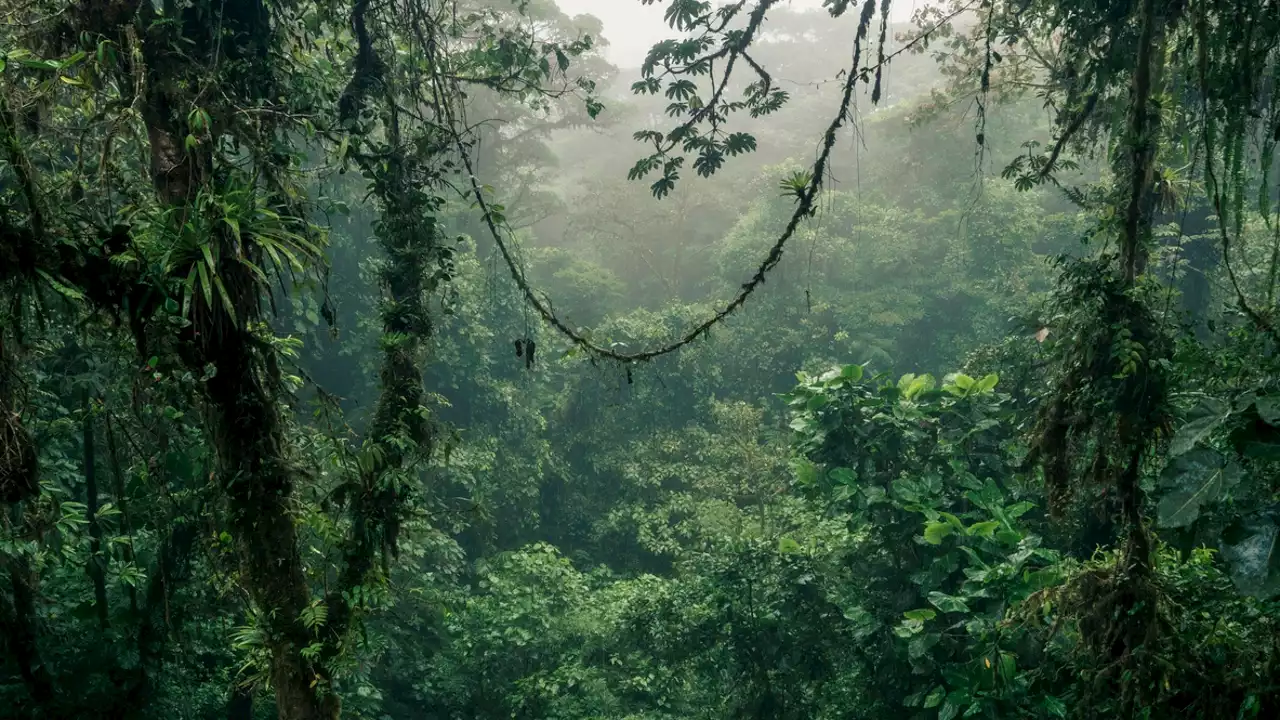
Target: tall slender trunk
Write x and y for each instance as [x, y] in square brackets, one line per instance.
[1135, 250]
[18, 467]
[1144, 130]
[19, 624]
[171, 567]
[408, 236]
[96, 565]
[248, 439]
[122, 502]
[18, 482]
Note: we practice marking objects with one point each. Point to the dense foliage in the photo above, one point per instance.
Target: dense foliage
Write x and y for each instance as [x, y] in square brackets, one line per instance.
[348, 367]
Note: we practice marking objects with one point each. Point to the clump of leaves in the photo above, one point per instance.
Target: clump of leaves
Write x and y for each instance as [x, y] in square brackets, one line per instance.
[1205, 654]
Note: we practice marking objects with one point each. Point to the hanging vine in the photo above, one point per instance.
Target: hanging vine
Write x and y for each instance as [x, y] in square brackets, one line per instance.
[805, 187]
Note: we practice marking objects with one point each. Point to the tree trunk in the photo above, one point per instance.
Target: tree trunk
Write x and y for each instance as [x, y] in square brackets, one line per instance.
[171, 567]
[122, 502]
[1135, 248]
[248, 439]
[240, 704]
[245, 429]
[18, 624]
[95, 568]
[18, 464]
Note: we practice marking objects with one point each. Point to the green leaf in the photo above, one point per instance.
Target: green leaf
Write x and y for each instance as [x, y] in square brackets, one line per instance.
[36, 64]
[920, 645]
[1009, 537]
[207, 251]
[947, 603]
[205, 285]
[188, 289]
[917, 385]
[1192, 481]
[987, 383]
[955, 521]
[1251, 548]
[985, 529]
[908, 628]
[875, 494]
[935, 531]
[1017, 510]
[949, 710]
[226, 300]
[738, 143]
[1054, 707]
[1008, 665]
[1269, 409]
[806, 472]
[922, 614]
[935, 697]
[1203, 420]
[62, 288]
[787, 546]
[275, 257]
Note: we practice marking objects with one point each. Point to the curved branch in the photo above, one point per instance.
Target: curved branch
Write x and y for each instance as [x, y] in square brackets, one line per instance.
[1074, 127]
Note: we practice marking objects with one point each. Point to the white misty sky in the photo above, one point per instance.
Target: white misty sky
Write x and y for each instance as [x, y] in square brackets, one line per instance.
[632, 27]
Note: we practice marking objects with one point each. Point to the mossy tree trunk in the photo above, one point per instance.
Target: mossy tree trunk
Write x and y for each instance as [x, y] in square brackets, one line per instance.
[247, 435]
[242, 418]
[97, 561]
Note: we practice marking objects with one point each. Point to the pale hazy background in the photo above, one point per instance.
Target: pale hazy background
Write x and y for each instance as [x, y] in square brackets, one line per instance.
[632, 27]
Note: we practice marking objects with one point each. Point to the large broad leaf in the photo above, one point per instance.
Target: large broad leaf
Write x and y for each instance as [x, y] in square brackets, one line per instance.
[1192, 481]
[912, 385]
[935, 531]
[1203, 420]
[935, 697]
[1252, 548]
[948, 603]
[1269, 409]
[987, 383]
